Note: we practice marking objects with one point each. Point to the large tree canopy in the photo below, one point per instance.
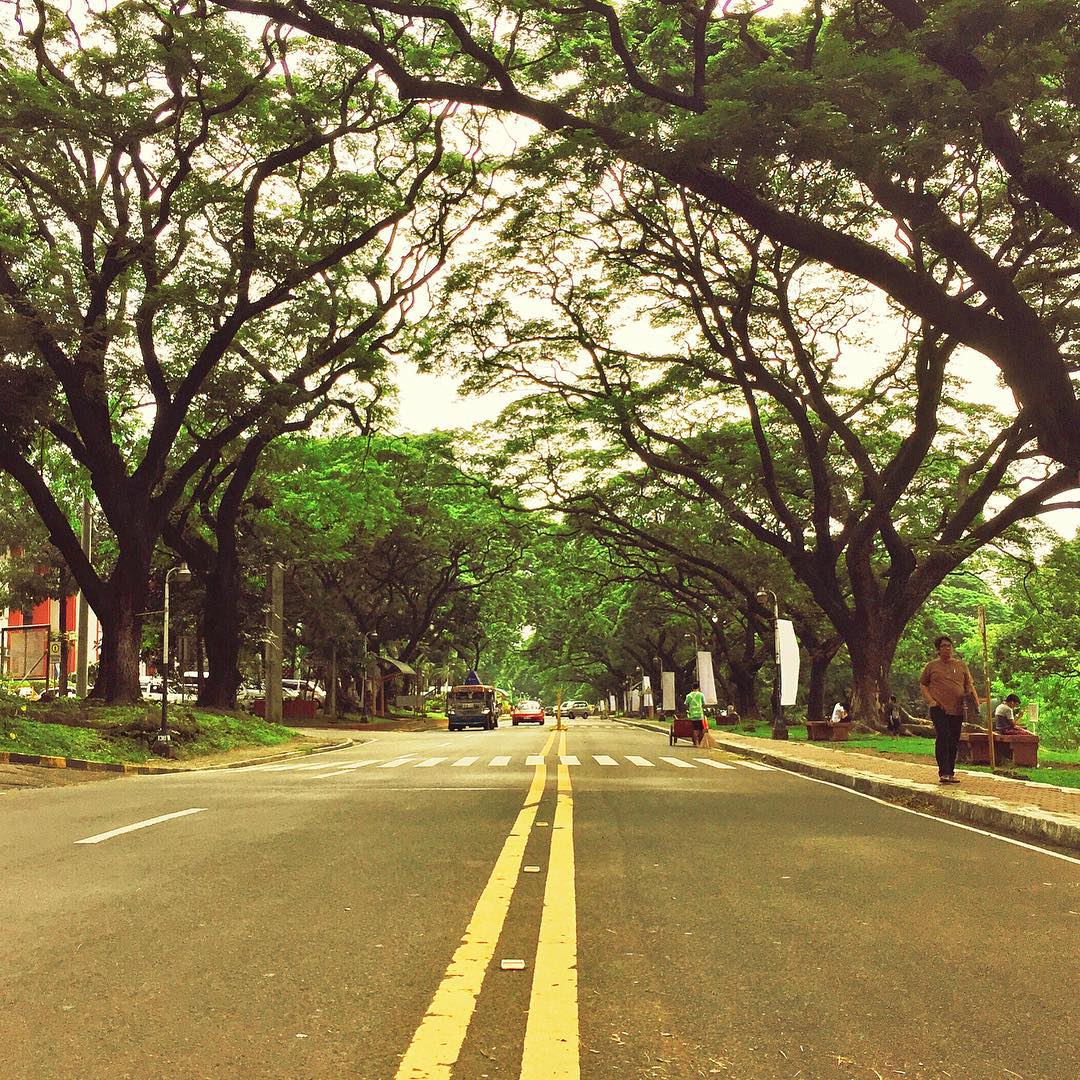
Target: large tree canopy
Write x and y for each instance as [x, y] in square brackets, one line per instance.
[856, 460]
[201, 238]
[946, 130]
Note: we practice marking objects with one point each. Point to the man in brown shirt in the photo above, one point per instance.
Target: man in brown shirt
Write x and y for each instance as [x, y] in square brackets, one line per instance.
[944, 683]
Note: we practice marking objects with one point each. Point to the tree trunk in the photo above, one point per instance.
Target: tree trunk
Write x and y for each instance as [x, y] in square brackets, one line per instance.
[820, 658]
[744, 691]
[871, 648]
[121, 628]
[221, 632]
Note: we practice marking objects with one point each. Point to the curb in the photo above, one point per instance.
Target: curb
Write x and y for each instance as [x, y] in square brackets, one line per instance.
[975, 810]
[50, 762]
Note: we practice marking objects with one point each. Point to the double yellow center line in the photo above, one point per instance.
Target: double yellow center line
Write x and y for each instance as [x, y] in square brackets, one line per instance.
[551, 1033]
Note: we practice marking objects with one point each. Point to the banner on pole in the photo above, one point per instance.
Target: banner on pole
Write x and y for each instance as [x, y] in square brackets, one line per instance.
[646, 691]
[611, 701]
[667, 686]
[635, 701]
[787, 652]
[705, 677]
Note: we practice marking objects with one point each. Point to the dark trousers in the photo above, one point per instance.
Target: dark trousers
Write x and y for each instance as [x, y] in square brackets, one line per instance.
[948, 730]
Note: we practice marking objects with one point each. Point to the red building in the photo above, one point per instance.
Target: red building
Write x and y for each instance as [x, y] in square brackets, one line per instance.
[30, 644]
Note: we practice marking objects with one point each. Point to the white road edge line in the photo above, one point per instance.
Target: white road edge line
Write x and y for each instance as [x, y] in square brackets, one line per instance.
[140, 825]
[932, 817]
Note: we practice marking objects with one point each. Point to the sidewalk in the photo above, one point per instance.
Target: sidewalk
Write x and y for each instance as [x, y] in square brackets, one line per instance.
[1037, 812]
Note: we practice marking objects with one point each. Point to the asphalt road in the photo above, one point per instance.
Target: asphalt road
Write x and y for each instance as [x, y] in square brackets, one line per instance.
[348, 916]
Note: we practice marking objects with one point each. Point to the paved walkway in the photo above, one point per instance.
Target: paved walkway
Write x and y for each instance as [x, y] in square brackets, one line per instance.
[1038, 812]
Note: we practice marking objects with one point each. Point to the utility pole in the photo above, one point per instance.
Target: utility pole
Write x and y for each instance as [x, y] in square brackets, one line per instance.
[275, 625]
[82, 642]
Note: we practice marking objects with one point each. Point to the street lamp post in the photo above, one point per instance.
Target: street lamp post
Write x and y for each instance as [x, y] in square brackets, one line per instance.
[779, 725]
[182, 574]
[364, 705]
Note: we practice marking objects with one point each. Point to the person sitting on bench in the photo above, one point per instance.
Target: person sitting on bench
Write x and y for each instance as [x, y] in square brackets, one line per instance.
[1005, 717]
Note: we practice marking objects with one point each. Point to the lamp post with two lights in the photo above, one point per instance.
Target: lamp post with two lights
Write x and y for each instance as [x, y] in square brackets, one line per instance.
[183, 574]
[779, 725]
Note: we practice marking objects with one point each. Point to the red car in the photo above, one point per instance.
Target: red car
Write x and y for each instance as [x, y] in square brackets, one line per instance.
[527, 712]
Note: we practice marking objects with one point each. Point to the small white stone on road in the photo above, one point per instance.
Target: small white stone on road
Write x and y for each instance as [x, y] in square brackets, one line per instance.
[512, 965]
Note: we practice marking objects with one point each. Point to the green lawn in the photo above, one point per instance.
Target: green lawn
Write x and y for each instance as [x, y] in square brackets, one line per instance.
[1046, 773]
[71, 729]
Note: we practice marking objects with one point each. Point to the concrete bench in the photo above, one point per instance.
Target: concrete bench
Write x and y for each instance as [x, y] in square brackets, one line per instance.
[826, 731]
[1021, 750]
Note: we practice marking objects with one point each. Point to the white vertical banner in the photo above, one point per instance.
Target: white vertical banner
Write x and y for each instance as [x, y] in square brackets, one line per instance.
[635, 701]
[705, 677]
[611, 701]
[787, 654]
[646, 691]
[667, 686]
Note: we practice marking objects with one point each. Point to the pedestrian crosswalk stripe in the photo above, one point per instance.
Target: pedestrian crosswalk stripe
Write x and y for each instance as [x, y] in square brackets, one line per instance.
[535, 759]
[501, 760]
[714, 764]
[362, 764]
[603, 759]
[640, 761]
[324, 775]
[569, 759]
[466, 761]
[428, 763]
[755, 765]
[396, 762]
[677, 762]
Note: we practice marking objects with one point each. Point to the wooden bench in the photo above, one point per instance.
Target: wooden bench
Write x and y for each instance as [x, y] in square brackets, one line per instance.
[827, 731]
[1021, 750]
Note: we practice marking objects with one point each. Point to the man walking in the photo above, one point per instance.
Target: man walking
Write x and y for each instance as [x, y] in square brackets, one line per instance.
[945, 682]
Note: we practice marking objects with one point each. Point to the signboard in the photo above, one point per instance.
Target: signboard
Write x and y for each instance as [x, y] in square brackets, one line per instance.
[667, 684]
[706, 680]
[787, 655]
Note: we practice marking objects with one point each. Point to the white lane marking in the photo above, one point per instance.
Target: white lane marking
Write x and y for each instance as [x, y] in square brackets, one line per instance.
[677, 762]
[603, 759]
[535, 759]
[640, 761]
[714, 764]
[140, 825]
[464, 761]
[755, 765]
[939, 820]
[569, 759]
[277, 768]
[339, 772]
[429, 763]
[361, 764]
[397, 762]
[500, 760]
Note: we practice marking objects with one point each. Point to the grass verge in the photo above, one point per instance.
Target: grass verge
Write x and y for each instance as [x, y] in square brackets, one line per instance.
[124, 733]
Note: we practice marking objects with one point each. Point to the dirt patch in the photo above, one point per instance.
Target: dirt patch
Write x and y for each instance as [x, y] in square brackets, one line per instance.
[26, 777]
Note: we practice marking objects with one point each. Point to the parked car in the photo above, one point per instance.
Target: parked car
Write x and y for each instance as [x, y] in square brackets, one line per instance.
[576, 709]
[151, 691]
[304, 688]
[527, 712]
